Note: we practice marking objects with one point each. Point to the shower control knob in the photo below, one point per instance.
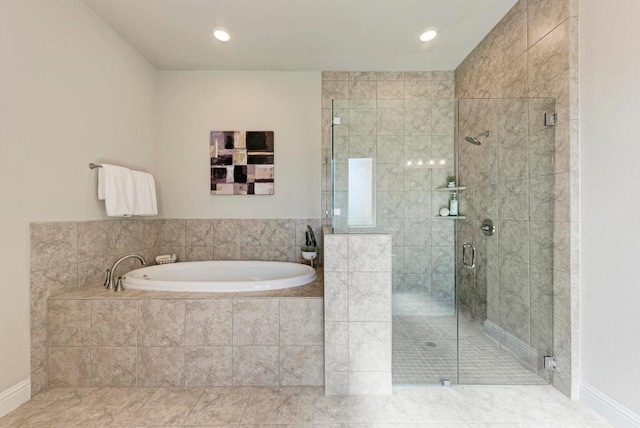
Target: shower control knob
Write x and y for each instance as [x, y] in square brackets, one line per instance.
[488, 228]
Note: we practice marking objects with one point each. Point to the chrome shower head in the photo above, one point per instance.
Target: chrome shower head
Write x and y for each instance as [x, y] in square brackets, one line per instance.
[474, 140]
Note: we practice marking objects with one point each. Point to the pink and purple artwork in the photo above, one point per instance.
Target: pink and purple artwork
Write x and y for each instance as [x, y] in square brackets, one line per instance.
[241, 162]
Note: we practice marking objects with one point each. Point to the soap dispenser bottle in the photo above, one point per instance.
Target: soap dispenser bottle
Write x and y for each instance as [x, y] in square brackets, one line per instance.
[453, 205]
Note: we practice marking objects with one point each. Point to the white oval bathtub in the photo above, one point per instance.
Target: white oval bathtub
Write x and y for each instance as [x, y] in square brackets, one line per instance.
[221, 276]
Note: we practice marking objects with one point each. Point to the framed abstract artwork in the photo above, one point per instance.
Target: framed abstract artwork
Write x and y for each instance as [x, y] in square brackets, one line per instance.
[241, 162]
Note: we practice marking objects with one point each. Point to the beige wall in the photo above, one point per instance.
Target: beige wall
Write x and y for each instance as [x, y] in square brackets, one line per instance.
[609, 91]
[72, 92]
[532, 53]
[193, 103]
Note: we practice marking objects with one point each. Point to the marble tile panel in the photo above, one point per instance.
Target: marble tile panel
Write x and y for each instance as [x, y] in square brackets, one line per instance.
[541, 243]
[365, 89]
[370, 346]
[255, 321]
[442, 117]
[123, 235]
[513, 78]
[167, 406]
[549, 196]
[369, 253]
[511, 38]
[93, 272]
[335, 75]
[254, 253]
[161, 322]
[217, 406]
[302, 365]
[417, 232]
[398, 103]
[513, 200]
[417, 205]
[541, 309]
[416, 148]
[283, 232]
[255, 365]
[362, 103]
[256, 232]
[544, 16]
[337, 346]
[69, 323]
[337, 383]
[389, 177]
[442, 259]
[369, 296]
[272, 406]
[208, 322]
[417, 259]
[161, 366]
[417, 179]
[171, 232]
[93, 240]
[418, 89]
[443, 287]
[336, 296]
[50, 282]
[53, 244]
[549, 56]
[370, 383]
[390, 89]
[113, 366]
[334, 89]
[514, 298]
[362, 147]
[512, 120]
[227, 252]
[390, 121]
[362, 122]
[390, 205]
[513, 241]
[198, 254]
[208, 366]
[336, 253]
[417, 121]
[227, 232]
[69, 366]
[199, 232]
[115, 408]
[114, 322]
[301, 322]
[442, 89]
[389, 149]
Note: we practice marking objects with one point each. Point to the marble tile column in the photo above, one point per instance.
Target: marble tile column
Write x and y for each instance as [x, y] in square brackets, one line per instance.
[357, 314]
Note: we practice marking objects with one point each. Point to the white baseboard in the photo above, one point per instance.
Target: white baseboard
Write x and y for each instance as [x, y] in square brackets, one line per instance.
[617, 414]
[526, 354]
[15, 396]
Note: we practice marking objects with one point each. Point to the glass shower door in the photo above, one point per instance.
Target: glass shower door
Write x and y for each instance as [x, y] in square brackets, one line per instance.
[505, 278]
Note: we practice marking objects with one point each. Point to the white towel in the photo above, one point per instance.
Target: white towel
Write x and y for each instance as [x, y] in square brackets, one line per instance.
[144, 194]
[115, 187]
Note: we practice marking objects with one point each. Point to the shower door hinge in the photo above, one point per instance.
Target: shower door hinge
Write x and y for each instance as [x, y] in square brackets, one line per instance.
[550, 363]
[446, 382]
[550, 119]
[336, 121]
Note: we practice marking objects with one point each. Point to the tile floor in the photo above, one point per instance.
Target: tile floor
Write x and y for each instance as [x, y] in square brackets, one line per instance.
[424, 348]
[411, 407]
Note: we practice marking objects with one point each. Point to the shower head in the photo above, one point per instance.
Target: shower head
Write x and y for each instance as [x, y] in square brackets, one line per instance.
[474, 140]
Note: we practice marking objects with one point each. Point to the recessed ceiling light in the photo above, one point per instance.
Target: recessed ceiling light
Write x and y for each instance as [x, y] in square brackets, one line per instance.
[429, 34]
[221, 34]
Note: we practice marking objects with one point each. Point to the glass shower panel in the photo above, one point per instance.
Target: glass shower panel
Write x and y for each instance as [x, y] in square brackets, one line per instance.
[505, 299]
[391, 160]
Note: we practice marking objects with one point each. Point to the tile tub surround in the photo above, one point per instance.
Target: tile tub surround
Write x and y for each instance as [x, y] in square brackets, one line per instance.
[532, 52]
[146, 338]
[357, 313]
[298, 406]
[70, 255]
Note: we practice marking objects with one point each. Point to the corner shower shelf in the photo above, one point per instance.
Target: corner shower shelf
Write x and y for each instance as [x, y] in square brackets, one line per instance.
[448, 189]
[451, 217]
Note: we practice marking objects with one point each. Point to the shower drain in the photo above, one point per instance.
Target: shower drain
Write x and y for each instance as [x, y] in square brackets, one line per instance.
[429, 344]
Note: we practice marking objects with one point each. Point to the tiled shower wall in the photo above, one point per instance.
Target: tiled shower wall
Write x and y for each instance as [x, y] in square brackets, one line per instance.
[68, 255]
[398, 118]
[532, 52]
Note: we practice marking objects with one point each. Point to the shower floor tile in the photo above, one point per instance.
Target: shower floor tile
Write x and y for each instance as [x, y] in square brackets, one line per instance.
[424, 348]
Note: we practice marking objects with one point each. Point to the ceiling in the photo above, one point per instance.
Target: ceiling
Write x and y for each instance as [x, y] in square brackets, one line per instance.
[374, 35]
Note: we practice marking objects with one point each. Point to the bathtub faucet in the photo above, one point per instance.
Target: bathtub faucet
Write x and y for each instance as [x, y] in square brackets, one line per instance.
[109, 282]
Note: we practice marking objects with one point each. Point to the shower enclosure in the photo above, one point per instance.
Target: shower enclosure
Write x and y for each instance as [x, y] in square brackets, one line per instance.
[472, 290]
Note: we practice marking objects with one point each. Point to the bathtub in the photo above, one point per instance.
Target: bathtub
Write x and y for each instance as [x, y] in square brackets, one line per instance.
[220, 276]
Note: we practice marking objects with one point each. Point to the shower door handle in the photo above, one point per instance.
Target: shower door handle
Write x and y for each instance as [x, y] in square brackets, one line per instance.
[465, 247]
